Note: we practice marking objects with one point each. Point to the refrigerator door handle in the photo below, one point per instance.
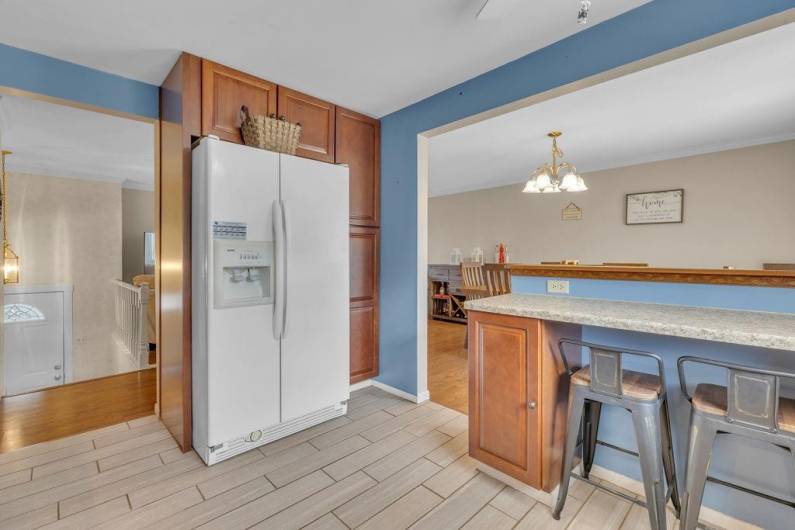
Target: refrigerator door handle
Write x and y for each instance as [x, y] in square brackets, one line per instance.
[278, 251]
[286, 239]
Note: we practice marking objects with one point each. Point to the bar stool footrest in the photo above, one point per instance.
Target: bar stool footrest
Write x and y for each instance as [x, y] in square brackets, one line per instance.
[737, 487]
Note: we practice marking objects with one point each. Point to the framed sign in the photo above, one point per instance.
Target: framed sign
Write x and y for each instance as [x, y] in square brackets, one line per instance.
[655, 207]
[572, 212]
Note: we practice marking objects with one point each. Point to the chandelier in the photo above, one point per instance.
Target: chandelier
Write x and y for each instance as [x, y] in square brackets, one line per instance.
[555, 177]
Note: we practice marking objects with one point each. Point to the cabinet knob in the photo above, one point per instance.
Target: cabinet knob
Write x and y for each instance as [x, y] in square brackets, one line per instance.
[531, 405]
[57, 377]
[57, 367]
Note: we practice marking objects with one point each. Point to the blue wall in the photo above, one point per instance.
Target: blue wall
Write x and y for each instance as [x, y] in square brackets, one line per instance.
[652, 28]
[33, 72]
[756, 466]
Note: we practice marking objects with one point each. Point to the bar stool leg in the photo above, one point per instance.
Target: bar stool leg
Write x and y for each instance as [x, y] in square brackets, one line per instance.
[647, 421]
[702, 437]
[593, 411]
[668, 457]
[576, 404]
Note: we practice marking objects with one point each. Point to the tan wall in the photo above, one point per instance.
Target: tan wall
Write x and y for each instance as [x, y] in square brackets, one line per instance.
[138, 216]
[738, 211]
[68, 230]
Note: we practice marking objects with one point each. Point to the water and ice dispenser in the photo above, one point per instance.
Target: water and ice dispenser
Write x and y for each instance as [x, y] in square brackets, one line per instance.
[243, 273]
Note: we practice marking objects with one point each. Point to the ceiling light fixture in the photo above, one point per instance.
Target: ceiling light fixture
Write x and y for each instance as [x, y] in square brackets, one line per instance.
[582, 14]
[554, 178]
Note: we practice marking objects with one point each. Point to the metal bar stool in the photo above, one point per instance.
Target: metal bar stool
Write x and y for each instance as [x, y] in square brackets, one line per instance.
[749, 406]
[644, 396]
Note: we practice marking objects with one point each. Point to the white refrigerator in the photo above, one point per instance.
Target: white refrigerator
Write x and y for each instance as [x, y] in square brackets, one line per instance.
[270, 284]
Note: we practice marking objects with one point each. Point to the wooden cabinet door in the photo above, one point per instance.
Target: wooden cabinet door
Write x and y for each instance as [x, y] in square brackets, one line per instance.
[317, 123]
[224, 91]
[358, 144]
[504, 427]
[364, 249]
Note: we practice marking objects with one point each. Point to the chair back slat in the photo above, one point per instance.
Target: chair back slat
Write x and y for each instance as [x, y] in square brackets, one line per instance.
[606, 372]
[752, 399]
[498, 279]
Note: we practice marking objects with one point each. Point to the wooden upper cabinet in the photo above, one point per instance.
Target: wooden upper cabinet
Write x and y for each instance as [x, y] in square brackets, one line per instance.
[224, 91]
[358, 144]
[317, 119]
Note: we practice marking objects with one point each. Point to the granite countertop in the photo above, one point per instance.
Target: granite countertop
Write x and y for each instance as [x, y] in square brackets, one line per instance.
[751, 328]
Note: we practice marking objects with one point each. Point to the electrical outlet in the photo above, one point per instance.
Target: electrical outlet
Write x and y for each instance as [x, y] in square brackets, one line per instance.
[558, 286]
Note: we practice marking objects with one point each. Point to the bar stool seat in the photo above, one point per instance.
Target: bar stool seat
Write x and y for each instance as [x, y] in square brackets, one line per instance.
[636, 385]
[712, 399]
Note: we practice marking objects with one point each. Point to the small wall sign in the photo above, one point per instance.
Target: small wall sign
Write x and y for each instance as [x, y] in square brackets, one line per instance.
[655, 207]
[572, 212]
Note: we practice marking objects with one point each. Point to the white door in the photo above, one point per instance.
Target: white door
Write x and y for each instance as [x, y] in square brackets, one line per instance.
[315, 344]
[34, 341]
[243, 354]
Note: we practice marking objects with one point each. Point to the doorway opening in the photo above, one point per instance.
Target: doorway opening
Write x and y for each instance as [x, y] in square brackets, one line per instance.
[79, 348]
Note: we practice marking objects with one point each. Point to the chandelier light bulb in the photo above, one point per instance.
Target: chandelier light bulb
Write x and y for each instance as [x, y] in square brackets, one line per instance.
[543, 181]
[531, 186]
[569, 182]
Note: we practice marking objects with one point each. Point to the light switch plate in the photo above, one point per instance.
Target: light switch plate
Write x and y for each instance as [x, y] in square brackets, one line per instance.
[558, 286]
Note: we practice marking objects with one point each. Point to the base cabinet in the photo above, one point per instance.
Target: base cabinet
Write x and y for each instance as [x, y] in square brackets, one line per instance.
[518, 396]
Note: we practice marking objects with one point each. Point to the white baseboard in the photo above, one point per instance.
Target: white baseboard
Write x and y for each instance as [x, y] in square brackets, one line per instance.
[361, 384]
[423, 396]
[707, 515]
[541, 496]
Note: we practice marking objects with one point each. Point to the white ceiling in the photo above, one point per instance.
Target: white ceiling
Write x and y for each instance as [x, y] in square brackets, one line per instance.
[738, 94]
[375, 56]
[60, 141]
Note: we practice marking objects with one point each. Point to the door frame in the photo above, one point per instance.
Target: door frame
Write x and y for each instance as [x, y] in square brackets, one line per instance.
[155, 122]
[424, 137]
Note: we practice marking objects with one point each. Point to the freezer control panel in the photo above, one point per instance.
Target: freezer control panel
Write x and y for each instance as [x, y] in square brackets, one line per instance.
[243, 273]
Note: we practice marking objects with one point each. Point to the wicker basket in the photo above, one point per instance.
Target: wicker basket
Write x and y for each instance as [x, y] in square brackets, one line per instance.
[269, 132]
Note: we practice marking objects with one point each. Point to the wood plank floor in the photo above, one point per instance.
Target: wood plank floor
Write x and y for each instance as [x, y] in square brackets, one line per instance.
[54, 413]
[388, 464]
[447, 364]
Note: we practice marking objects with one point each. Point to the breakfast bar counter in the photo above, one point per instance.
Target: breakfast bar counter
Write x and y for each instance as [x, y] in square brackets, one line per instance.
[518, 387]
[749, 328]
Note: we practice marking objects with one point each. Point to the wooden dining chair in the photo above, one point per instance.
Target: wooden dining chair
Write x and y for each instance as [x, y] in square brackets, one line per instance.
[473, 285]
[498, 278]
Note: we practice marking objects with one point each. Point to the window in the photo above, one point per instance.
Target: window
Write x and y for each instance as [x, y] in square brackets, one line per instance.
[21, 313]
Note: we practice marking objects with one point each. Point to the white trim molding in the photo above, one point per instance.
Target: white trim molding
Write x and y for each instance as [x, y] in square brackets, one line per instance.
[419, 398]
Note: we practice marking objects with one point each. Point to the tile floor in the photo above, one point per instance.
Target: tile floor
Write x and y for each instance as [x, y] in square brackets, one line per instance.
[388, 464]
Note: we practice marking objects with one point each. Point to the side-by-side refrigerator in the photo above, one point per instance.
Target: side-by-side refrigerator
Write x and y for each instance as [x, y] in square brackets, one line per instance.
[270, 341]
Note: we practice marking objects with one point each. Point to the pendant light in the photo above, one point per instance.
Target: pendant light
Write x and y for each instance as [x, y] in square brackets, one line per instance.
[10, 258]
[555, 177]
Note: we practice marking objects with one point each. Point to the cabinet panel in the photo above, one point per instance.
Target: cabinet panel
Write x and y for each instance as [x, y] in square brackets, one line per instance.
[224, 91]
[317, 119]
[180, 123]
[358, 144]
[503, 407]
[364, 342]
[364, 252]
[364, 246]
